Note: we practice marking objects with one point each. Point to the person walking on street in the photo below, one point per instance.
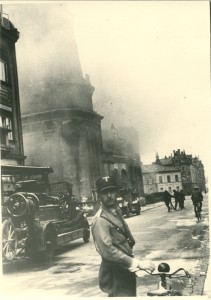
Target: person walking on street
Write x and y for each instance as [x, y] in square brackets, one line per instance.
[167, 199]
[176, 197]
[114, 242]
[197, 197]
[181, 199]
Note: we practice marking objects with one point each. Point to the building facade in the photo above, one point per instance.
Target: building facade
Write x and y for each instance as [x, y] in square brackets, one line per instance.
[122, 159]
[182, 171]
[12, 152]
[158, 178]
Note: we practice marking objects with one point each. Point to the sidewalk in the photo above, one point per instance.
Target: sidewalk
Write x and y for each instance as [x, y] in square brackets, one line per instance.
[207, 286]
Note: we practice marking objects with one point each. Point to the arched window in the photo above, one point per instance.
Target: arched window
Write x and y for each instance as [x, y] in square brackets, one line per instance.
[115, 174]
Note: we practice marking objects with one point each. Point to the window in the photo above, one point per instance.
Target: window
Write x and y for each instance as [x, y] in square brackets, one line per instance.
[116, 166]
[178, 188]
[6, 122]
[169, 189]
[176, 178]
[168, 178]
[3, 71]
[149, 180]
[161, 189]
[160, 179]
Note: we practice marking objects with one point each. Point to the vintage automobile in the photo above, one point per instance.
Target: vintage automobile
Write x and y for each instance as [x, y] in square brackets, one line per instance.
[123, 205]
[134, 206]
[36, 223]
[155, 197]
[89, 207]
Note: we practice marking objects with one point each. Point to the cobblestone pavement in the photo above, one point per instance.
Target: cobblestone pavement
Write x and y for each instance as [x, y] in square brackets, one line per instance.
[197, 282]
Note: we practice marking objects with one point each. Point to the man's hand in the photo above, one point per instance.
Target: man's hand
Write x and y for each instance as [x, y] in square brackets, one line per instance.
[146, 265]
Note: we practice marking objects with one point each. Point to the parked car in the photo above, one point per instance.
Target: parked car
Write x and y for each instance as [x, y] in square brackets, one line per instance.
[134, 206]
[89, 208]
[142, 200]
[154, 197]
[38, 223]
[123, 205]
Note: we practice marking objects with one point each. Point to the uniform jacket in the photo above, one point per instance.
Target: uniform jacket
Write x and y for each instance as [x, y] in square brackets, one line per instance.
[196, 197]
[167, 196]
[110, 237]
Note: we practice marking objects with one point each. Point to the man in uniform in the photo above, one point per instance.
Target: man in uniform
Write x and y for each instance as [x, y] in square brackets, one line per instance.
[167, 199]
[176, 197]
[197, 197]
[114, 242]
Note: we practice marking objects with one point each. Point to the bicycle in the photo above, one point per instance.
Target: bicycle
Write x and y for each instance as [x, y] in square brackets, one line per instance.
[164, 286]
[198, 211]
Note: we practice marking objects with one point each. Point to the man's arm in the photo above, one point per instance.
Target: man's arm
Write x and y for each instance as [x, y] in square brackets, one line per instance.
[104, 245]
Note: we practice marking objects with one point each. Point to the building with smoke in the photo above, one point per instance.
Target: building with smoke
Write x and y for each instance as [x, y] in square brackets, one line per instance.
[60, 127]
[121, 158]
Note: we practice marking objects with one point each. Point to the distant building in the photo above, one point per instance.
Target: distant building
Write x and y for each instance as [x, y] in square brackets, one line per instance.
[12, 152]
[182, 170]
[157, 178]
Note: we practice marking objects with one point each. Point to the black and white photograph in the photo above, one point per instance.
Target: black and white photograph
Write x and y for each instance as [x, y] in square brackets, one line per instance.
[105, 149]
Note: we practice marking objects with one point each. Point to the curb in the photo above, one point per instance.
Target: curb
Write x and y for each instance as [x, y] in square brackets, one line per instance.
[199, 278]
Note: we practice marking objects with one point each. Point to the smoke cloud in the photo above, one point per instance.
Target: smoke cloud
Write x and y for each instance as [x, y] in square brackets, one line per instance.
[148, 62]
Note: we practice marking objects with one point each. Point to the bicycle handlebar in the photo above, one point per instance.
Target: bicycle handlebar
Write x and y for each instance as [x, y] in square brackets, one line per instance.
[169, 274]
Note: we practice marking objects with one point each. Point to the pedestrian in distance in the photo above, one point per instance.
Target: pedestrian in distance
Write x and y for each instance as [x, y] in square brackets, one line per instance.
[167, 199]
[114, 242]
[197, 197]
[181, 199]
[177, 198]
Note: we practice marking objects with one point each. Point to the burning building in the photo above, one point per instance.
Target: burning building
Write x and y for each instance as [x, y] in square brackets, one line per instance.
[60, 127]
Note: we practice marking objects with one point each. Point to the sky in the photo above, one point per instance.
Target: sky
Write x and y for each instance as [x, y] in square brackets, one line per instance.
[149, 62]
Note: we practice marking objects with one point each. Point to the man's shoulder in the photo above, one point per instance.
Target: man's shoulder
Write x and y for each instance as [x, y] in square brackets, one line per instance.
[102, 216]
[98, 216]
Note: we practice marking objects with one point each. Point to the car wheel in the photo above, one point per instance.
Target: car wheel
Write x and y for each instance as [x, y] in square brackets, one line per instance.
[49, 245]
[9, 240]
[86, 236]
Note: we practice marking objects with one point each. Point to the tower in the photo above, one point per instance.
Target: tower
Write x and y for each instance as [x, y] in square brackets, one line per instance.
[10, 118]
[60, 127]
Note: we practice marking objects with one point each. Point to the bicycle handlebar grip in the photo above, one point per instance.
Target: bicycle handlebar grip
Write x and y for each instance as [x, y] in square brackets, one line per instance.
[187, 274]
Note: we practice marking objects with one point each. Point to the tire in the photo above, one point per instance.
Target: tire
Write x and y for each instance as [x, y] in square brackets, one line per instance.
[9, 240]
[198, 213]
[49, 245]
[138, 210]
[86, 236]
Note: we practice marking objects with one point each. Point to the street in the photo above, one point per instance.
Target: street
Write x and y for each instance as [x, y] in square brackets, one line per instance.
[174, 237]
